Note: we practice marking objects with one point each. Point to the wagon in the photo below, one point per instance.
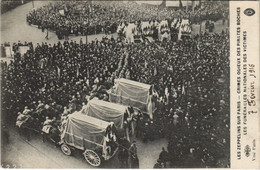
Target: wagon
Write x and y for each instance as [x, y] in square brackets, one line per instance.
[107, 111]
[133, 93]
[119, 114]
[96, 138]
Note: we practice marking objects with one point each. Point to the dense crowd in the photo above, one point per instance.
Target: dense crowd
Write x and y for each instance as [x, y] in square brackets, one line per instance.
[7, 5]
[190, 76]
[194, 103]
[104, 17]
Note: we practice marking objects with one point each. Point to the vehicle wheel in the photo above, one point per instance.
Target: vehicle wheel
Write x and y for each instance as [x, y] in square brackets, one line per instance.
[66, 149]
[92, 158]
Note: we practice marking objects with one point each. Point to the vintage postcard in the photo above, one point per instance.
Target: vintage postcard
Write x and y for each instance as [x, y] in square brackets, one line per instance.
[130, 84]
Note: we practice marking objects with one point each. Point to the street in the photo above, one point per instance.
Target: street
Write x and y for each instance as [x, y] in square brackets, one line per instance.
[20, 153]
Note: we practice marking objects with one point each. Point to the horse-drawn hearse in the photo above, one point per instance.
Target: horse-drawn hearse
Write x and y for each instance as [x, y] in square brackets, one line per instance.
[122, 116]
[96, 138]
[133, 93]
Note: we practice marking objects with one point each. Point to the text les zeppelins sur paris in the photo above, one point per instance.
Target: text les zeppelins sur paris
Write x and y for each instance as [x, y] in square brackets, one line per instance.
[246, 101]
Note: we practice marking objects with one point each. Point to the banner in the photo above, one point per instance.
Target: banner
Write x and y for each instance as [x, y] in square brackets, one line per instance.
[8, 51]
[23, 49]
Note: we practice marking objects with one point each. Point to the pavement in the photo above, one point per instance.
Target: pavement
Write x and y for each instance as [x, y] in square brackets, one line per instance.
[20, 153]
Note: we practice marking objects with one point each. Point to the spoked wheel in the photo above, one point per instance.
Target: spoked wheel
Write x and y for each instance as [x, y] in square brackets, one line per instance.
[92, 158]
[66, 149]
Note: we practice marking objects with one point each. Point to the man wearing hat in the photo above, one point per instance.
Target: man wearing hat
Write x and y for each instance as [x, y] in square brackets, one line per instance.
[26, 110]
[163, 157]
[133, 156]
[47, 125]
[40, 107]
[21, 120]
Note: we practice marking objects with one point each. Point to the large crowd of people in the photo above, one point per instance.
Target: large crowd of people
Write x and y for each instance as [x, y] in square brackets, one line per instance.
[7, 5]
[190, 76]
[96, 17]
[194, 103]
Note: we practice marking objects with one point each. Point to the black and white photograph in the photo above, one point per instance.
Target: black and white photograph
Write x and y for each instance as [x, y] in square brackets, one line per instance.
[115, 84]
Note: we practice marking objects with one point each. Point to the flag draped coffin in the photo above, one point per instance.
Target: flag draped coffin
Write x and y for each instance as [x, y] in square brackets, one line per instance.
[106, 111]
[132, 93]
[83, 131]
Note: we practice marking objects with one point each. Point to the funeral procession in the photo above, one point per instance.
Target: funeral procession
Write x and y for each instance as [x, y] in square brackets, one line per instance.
[115, 84]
